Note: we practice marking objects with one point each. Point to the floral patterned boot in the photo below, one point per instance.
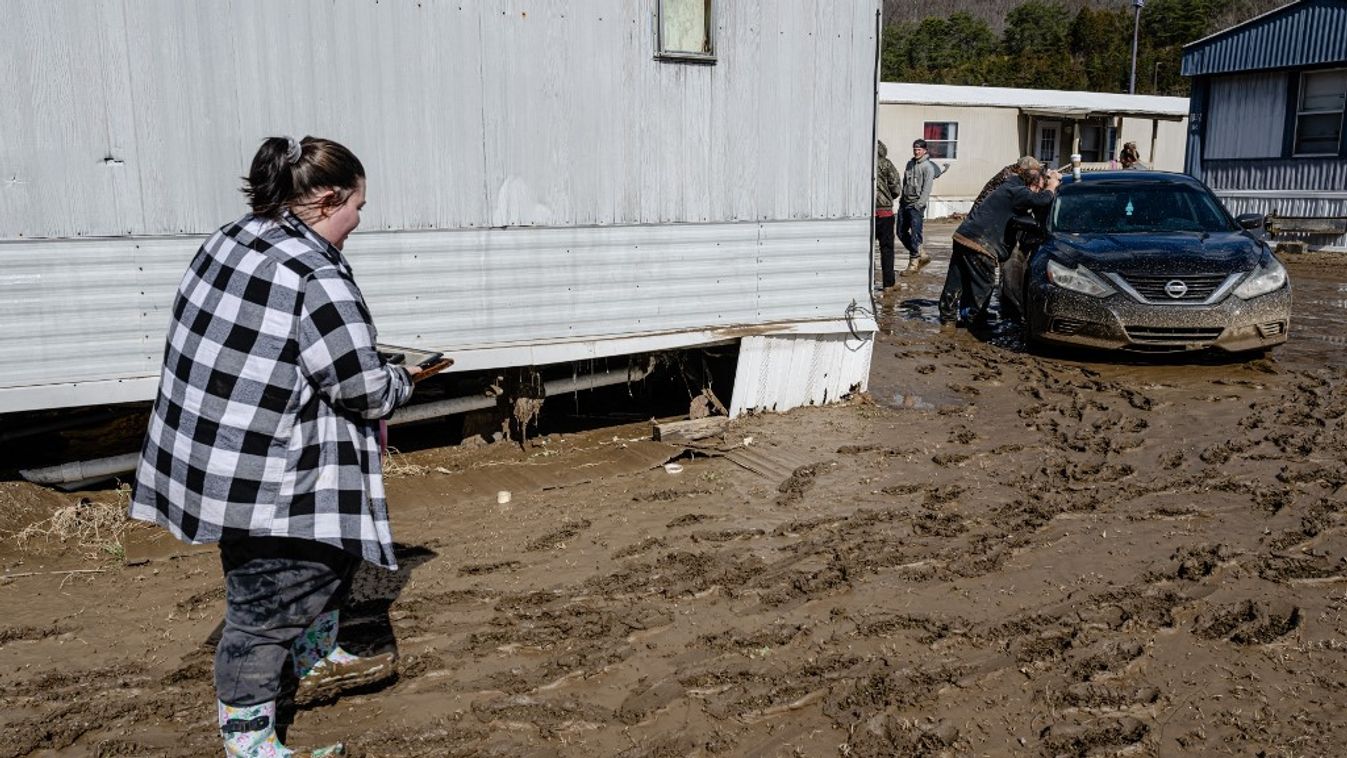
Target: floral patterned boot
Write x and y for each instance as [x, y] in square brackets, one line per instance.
[325, 670]
[249, 731]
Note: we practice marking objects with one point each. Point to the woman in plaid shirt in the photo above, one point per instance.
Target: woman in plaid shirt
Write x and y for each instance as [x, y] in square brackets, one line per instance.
[265, 434]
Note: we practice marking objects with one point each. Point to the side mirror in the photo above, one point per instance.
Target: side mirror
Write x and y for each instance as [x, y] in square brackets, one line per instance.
[1250, 220]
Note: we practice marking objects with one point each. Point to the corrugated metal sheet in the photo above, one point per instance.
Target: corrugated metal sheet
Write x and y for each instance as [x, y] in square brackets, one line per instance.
[1306, 33]
[90, 310]
[1300, 174]
[783, 372]
[1246, 116]
[139, 117]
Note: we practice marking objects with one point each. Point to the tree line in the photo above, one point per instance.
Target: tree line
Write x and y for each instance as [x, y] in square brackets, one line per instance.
[1044, 45]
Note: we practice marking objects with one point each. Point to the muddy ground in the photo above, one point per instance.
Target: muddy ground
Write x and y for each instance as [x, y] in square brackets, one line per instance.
[995, 553]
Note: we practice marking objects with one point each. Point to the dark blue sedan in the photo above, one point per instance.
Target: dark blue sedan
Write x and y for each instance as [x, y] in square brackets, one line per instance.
[1146, 261]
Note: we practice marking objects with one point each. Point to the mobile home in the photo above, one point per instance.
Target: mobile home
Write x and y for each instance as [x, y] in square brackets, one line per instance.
[548, 182]
[976, 131]
[1267, 128]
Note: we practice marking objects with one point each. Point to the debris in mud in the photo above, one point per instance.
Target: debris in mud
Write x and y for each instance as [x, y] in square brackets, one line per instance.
[664, 496]
[793, 488]
[1084, 739]
[649, 543]
[1250, 622]
[687, 519]
[962, 435]
[1199, 561]
[23, 633]
[478, 569]
[916, 738]
[1096, 695]
[945, 460]
[558, 537]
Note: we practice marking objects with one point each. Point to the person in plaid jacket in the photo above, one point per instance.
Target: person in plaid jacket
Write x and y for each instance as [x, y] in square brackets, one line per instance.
[264, 435]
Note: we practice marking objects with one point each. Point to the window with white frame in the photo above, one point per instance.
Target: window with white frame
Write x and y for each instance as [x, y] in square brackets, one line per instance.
[1323, 98]
[685, 30]
[942, 139]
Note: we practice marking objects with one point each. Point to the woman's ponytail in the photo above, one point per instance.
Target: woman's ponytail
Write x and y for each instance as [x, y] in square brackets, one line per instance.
[286, 173]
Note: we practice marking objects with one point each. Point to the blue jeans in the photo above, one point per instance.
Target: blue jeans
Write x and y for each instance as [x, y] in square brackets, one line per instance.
[910, 219]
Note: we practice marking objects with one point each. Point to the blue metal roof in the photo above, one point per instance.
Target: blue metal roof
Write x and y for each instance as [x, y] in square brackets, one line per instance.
[1304, 33]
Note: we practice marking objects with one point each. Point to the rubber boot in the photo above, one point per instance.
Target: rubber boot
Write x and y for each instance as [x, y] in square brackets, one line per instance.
[325, 670]
[249, 731]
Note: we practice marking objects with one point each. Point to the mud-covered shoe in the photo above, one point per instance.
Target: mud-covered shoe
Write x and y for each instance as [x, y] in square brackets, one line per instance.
[342, 672]
[922, 260]
[249, 731]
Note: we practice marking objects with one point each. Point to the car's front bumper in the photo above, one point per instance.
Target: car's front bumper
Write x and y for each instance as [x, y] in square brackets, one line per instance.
[1119, 322]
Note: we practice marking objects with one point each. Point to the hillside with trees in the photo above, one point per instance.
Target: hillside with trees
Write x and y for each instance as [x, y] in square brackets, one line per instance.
[1050, 44]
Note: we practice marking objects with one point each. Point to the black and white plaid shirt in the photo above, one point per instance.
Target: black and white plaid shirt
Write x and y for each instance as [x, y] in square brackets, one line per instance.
[267, 417]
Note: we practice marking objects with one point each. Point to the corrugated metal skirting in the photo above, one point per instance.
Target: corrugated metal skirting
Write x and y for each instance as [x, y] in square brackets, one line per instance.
[1297, 174]
[89, 311]
[777, 373]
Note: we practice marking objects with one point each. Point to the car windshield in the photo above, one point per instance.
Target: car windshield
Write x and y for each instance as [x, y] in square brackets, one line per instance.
[1137, 209]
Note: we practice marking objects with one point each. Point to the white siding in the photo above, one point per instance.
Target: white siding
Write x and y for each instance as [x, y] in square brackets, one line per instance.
[481, 114]
[541, 189]
[96, 310]
[1246, 116]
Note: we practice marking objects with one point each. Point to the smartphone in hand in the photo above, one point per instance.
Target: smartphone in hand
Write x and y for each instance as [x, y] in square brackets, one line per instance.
[431, 365]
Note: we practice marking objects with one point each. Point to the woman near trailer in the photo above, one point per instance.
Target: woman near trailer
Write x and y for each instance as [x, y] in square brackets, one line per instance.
[265, 435]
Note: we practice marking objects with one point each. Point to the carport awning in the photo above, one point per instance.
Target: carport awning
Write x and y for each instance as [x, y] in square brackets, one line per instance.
[1088, 113]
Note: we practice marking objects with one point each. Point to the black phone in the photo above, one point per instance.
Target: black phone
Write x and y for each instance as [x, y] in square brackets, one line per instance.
[430, 360]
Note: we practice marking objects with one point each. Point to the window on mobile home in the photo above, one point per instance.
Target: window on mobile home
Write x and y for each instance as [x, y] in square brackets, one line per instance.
[942, 139]
[685, 30]
[1323, 98]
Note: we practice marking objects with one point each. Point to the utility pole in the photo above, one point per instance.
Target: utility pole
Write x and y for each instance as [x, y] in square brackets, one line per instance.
[1136, 31]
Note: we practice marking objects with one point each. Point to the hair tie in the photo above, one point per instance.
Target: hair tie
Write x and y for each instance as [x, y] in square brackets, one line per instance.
[293, 151]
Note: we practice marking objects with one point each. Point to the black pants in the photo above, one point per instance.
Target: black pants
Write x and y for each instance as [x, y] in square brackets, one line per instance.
[274, 588]
[884, 231]
[968, 286]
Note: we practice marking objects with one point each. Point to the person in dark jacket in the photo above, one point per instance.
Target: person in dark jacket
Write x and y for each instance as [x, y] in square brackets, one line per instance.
[888, 185]
[265, 435]
[980, 243]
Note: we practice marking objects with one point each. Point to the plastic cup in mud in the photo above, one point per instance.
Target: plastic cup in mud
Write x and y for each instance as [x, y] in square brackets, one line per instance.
[502, 497]
[673, 468]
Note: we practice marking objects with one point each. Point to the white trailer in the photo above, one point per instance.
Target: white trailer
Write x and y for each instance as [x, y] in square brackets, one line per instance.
[548, 181]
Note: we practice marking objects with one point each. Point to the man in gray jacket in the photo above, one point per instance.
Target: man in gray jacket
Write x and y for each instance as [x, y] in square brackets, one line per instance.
[918, 177]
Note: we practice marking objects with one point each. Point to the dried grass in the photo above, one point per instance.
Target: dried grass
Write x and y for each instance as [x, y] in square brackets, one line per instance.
[396, 466]
[94, 527]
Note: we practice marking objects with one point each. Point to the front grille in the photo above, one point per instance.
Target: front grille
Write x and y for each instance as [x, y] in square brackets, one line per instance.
[1153, 288]
[1272, 329]
[1067, 325]
[1174, 335]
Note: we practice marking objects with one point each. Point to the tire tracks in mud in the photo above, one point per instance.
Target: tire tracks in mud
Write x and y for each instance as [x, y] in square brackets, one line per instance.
[829, 601]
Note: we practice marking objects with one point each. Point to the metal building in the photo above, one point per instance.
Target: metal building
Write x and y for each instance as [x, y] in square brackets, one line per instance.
[548, 182]
[976, 131]
[1266, 131]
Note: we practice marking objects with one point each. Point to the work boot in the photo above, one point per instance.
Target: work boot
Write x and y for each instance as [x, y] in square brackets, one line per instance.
[325, 670]
[249, 731]
[916, 263]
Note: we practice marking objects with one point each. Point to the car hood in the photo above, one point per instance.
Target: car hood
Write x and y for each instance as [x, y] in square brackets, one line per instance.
[1167, 253]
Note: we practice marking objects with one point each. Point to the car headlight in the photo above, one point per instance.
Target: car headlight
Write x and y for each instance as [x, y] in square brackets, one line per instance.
[1266, 278]
[1078, 279]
